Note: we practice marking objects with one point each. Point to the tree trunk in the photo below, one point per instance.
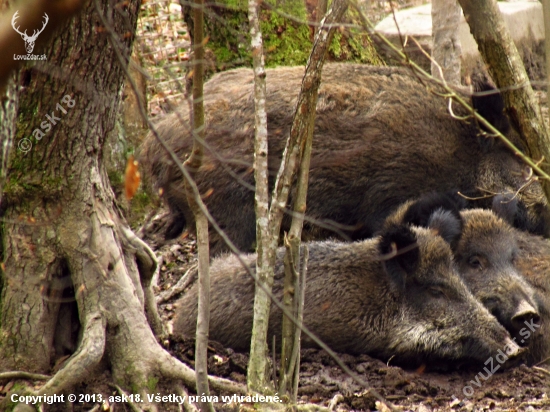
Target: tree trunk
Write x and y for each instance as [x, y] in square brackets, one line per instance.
[505, 66]
[446, 50]
[72, 266]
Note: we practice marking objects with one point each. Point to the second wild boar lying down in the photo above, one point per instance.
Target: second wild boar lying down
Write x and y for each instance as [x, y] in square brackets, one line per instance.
[360, 298]
[506, 269]
[380, 139]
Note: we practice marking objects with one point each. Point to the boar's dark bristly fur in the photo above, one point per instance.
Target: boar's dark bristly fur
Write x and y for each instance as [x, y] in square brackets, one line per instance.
[533, 262]
[380, 138]
[376, 296]
[506, 269]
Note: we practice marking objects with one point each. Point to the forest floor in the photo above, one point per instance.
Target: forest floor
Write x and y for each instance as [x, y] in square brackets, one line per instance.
[323, 383]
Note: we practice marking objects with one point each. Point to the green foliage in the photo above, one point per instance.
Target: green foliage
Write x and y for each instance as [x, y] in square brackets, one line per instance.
[287, 38]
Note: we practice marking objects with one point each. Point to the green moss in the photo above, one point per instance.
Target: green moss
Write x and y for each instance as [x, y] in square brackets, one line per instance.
[20, 390]
[335, 47]
[116, 177]
[139, 207]
[287, 41]
[152, 383]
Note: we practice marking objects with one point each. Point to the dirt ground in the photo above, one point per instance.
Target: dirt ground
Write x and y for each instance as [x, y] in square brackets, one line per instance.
[323, 383]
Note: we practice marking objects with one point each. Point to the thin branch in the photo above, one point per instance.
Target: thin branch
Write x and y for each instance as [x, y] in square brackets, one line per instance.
[256, 376]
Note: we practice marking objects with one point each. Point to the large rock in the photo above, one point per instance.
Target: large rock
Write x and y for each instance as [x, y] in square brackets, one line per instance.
[523, 18]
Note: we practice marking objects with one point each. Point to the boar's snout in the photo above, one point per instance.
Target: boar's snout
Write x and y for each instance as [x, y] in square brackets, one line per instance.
[525, 312]
[513, 348]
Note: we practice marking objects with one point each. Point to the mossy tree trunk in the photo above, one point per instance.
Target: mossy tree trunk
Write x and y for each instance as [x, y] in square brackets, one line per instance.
[59, 203]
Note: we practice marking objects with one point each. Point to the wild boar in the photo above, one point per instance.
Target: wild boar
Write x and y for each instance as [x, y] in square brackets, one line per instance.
[377, 296]
[381, 138]
[506, 269]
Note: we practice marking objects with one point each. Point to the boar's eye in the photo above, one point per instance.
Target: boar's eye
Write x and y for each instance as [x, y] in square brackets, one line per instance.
[436, 292]
[490, 303]
[475, 262]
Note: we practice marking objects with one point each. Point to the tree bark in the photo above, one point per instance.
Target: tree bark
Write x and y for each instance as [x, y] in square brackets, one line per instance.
[446, 50]
[505, 66]
[71, 262]
[9, 103]
[255, 377]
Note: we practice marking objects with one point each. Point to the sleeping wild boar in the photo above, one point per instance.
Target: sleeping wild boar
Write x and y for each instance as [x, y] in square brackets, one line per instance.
[380, 138]
[363, 298]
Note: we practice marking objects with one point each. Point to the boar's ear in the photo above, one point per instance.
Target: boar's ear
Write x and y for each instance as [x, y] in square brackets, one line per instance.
[419, 212]
[447, 224]
[399, 252]
[488, 102]
[506, 206]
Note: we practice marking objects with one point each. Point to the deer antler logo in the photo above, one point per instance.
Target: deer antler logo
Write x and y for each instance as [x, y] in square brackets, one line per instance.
[29, 40]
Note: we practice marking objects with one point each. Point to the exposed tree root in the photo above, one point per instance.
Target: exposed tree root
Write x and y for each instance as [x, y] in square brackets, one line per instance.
[88, 355]
[174, 369]
[24, 375]
[131, 404]
[187, 406]
[111, 313]
[146, 264]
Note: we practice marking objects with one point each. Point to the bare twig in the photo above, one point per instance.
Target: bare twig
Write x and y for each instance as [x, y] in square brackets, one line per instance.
[187, 278]
[256, 377]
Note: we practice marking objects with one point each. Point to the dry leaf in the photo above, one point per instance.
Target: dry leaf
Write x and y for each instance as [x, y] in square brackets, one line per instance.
[131, 178]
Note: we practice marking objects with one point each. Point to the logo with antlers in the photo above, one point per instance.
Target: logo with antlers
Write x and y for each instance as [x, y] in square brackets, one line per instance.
[29, 40]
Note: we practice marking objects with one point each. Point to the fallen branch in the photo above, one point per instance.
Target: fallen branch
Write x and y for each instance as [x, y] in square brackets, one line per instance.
[187, 278]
